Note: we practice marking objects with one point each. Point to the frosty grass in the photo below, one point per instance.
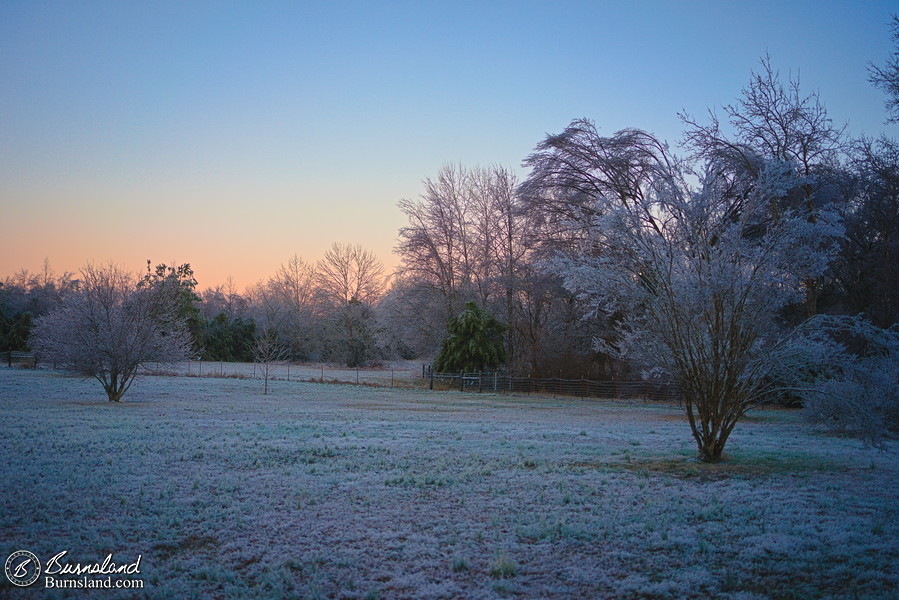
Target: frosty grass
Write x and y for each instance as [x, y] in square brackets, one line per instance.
[333, 491]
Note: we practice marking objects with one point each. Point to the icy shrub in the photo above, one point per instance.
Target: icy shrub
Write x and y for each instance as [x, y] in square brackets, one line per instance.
[854, 386]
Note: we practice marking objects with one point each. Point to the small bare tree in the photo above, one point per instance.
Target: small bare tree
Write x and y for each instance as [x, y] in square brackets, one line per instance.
[268, 351]
[110, 327]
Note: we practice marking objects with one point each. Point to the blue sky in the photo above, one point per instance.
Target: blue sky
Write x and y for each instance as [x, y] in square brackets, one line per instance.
[234, 135]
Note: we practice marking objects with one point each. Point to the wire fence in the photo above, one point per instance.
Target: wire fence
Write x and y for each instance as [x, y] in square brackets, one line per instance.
[11, 357]
[413, 375]
[399, 375]
[556, 386]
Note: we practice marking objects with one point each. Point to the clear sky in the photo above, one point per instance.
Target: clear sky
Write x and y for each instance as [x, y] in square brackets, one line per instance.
[233, 135]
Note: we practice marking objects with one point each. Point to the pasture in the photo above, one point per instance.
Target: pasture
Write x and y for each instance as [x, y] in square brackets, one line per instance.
[335, 491]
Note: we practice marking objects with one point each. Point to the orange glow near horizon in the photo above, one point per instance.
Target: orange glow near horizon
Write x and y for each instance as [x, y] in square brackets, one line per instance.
[231, 243]
[238, 226]
[212, 266]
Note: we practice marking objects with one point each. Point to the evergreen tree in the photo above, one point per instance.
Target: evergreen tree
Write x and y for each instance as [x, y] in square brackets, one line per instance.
[474, 342]
[228, 340]
[180, 282]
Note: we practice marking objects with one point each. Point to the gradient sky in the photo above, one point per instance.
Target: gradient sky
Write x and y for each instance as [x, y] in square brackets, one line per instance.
[234, 135]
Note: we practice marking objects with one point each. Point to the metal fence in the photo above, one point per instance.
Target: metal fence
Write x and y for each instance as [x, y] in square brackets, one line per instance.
[12, 356]
[414, 375]
[403, 375]
[556, 386]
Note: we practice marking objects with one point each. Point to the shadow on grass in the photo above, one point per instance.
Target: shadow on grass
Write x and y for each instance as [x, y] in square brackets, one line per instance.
[743, 465]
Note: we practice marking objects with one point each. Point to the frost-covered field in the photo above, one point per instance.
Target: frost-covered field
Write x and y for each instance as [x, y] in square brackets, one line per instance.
[327, 491]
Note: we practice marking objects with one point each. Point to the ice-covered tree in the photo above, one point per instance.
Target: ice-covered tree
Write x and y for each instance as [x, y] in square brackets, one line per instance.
[110, 326]
[693, 275]
[846, 371]
[774, 120]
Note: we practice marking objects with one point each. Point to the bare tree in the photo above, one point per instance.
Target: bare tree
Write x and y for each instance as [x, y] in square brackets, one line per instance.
[772, 121]
[350, 279]
[887, 77]
[775, 121]
[349, 272]
[268, 351]
[435, 244]
[294, 288]
[466, 240]
[267, 306]
[110, 327]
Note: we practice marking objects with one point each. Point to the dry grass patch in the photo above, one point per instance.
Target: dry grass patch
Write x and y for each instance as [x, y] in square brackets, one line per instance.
[743, 465]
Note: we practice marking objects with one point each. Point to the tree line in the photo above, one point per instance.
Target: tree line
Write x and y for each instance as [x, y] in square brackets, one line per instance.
[322, 311]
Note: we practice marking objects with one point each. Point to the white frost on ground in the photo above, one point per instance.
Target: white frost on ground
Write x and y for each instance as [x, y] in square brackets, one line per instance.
[329, 491]
[399, 373]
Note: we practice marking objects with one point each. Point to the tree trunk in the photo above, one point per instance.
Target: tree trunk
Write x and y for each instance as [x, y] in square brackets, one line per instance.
[114, 393]
[115, 384]
[710, 451]
[710, 429]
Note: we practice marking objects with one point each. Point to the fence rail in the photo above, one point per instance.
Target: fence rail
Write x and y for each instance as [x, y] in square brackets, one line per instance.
[15, 356]
[416, 375]
[400, 376]
[557, 386]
